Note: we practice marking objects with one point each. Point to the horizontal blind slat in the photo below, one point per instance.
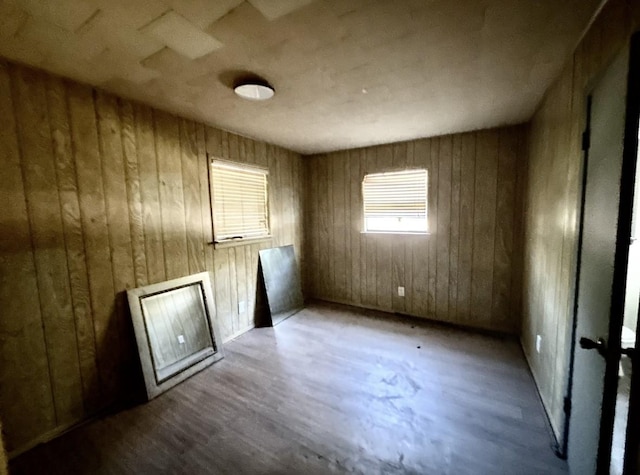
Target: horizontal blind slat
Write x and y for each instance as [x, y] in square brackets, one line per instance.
[240, 201]
[395, 201]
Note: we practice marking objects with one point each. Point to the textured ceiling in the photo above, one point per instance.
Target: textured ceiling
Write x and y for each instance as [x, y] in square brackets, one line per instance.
[347, 73]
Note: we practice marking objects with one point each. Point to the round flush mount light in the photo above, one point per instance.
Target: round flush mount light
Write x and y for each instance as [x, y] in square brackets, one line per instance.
[254, 91]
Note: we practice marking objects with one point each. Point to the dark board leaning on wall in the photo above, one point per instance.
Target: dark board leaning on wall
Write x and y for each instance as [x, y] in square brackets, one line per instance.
[282, 282]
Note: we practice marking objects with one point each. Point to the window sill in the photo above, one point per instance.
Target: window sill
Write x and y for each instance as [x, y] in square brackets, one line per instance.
[239, 242]
[395, 233]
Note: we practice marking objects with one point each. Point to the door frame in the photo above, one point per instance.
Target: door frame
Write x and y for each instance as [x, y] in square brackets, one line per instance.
[631, 132]
[616, 311]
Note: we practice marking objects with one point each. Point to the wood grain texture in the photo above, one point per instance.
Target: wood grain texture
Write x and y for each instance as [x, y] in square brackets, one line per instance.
[134, 197]
[385, 396]
[47, 236]
[171, 189]
[104, 195]
[118, 224]
[150, 194]
[235, 275]
[462, 272]
[553, 187]
[91, 195]
[74, 239]
[27, 404]
[484, 218]
[192, 197]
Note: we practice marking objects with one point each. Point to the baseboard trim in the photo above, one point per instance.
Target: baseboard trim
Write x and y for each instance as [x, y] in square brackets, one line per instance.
[422, 318]
[555, 441]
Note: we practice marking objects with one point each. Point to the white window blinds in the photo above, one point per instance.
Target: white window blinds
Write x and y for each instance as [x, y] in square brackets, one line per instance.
[239, 201]
[395, 202]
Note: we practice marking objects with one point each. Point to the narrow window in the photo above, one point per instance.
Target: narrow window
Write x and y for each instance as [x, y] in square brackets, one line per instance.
[239, 202]
[395, 202]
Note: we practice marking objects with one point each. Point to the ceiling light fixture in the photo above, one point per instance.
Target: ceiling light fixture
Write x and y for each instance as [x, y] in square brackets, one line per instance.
[254, 90]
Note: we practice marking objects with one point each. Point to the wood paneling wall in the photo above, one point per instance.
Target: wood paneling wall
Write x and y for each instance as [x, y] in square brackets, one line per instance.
[100, 195]
[467, 271]
[552, 204]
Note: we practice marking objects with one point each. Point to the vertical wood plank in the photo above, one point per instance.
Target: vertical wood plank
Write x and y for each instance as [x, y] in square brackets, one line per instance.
[172, 208]
[433, 224]
[384, 266]
[371, 241]
[192, 196]
[213, 139]
[410, 243]
[484, 227]
[119, 229]
[503, 247]
[241, 263]
[113, 171]
[356, 226]
[47, 236]
[150, 194]
[322, 272]
[27, 402]
[74, 241]
[311, 225]
[465, 249]
[205, 202]
[298, 224]
[339, 254]
[84, 133]
[241, 286]
[420, 250]
[398, 274]
[347, 222]
[454, 237]
[444, 227]
[134, 196]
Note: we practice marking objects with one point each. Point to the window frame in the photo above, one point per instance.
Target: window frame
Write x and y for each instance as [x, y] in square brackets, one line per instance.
[251, 168]
[365, 229]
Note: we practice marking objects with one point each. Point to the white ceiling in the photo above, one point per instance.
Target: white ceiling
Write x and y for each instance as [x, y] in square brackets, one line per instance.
[347, 73]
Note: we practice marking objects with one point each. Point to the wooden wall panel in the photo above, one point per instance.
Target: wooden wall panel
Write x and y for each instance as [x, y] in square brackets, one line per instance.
[553, 182]
[192, 197]
[74, 239]
[105, 195]
[134, 197]
[484, 220]
[149, 193]
[419, 247]
[235, 276]
[462, 272]
[465, 241]
[47, 236]
[24, 369]
[171, 190]
[86, 150]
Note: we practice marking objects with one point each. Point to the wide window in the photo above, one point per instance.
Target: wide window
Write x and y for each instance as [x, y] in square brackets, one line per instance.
[240, 202]
[396, 202]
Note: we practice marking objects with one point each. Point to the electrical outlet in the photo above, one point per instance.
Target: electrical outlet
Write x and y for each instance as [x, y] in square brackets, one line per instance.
[538, 343]
[242, 306]
[401, 291]
[181, 339]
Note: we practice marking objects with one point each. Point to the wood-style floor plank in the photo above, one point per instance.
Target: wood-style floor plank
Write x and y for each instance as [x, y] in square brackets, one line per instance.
[330, 390]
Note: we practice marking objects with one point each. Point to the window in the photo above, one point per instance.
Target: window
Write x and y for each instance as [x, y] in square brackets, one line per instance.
[240, 202]
[395, 202]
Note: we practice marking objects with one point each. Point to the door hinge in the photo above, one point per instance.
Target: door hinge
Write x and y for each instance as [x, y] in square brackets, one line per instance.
[566, 406]
[586, 140]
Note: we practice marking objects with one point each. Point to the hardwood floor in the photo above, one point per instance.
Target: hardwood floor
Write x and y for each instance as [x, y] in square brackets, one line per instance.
[329, 390]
